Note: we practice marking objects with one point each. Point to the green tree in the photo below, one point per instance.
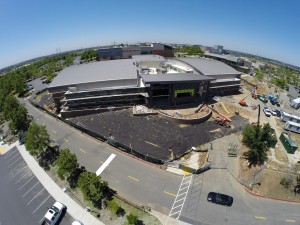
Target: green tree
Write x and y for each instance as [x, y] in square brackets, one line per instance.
[19, 119]
[259, 139]
[67, 163]
[132, 219]
[191, 50]
[37, 139]
[9, 107]
[92, 187]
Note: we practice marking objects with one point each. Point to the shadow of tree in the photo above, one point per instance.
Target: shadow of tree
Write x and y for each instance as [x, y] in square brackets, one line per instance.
[73, 179]
[139, 222]
[48, 157]
[120, 212]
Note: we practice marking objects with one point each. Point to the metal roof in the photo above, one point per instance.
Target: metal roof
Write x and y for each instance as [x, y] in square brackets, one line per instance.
[173, 78]
[209, 66]
[97, 71]
[141, 58]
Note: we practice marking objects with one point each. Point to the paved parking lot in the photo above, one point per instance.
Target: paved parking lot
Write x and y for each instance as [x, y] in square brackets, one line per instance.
[24, 200]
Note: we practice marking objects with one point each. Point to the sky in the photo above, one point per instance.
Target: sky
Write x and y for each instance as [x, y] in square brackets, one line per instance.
[33, 28]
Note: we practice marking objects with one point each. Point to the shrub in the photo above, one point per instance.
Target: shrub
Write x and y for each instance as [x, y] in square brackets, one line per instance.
[286, 182]
[132, 219]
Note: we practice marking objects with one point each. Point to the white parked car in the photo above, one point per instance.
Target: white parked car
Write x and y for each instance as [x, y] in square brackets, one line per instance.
[267, 112]
[76, 222]
[274, 113]
[54, 213]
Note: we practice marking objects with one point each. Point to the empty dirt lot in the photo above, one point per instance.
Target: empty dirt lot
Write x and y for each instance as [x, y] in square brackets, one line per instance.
[154, 135]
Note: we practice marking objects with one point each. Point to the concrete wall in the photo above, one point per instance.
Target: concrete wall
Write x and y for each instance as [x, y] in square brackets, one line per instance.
[188, 121]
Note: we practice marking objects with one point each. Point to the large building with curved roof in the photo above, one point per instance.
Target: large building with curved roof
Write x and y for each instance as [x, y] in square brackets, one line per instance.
[145, 79]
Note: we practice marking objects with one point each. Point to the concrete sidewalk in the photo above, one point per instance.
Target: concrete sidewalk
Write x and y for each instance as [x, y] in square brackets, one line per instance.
[74, 209]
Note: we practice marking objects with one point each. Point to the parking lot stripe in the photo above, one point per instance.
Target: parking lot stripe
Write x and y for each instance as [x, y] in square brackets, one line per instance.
[9, 160]
[41, 204]
[14, 162]
[66, 140]
[35, 196]
[9, 154]
[133, 178]
[30, 189]
[82, 150]
[169, 193]
[291, 221]
[41, 220]
[53, 131]
[23, 176]
[26, 182]
[19, 171]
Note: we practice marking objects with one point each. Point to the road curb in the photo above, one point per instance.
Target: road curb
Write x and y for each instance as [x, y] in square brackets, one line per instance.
[263, 196]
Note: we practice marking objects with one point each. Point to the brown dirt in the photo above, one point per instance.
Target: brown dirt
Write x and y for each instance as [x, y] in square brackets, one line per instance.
[270, 186]
[228, 109]
[268, 182]
[281, 155]
[262, 87]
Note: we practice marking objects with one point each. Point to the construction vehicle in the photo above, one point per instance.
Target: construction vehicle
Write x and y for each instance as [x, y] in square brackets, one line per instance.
[242, 101]
[222, 121]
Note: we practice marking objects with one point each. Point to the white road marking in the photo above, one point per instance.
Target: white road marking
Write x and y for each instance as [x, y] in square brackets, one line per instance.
[41, 220]
[14, 162]
[30, 189]
[10, 154]
[26, 183]
[23, 176]
[12, 157]
[41, 204]
[181, 196]
[19, 171]
[35, 196]
[105, 164]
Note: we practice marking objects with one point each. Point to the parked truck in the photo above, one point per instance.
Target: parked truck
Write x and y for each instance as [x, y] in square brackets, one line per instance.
[54, 214]
[273, 99]
[263, 98]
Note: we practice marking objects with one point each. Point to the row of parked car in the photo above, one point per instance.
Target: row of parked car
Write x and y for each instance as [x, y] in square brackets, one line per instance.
[274, 112]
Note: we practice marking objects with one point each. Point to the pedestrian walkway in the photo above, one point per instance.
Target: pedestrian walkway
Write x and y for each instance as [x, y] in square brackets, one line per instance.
[73, 208]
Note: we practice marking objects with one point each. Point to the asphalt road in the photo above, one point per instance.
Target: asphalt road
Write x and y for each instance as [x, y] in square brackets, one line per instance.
[136, 180]
[147, 185]
[24, 200]
[246, 209]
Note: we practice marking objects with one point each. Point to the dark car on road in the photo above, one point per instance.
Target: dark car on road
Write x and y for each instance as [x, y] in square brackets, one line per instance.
[219, 198]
